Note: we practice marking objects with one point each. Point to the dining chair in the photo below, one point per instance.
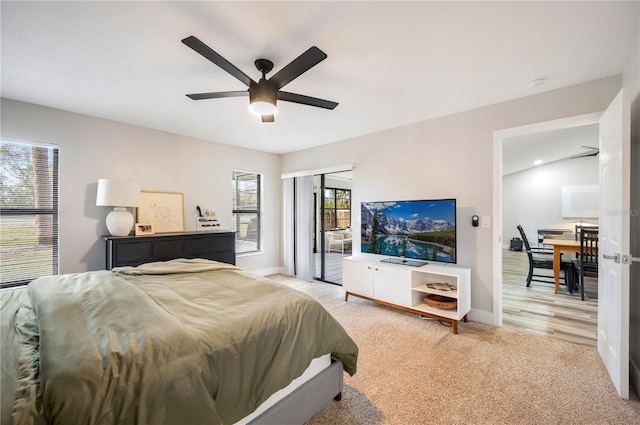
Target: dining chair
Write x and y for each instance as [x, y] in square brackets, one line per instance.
[587, 262]
[543, 259]
[586, 227]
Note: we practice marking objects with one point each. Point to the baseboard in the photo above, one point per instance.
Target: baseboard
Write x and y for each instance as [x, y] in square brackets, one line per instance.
[481, 316]
[267, 272]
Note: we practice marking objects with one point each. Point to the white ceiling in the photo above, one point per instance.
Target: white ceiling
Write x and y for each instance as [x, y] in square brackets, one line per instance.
[519, 153]
[389, 63]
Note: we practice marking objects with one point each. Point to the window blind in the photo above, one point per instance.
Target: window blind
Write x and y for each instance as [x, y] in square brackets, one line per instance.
[28, 212]
[246, 203]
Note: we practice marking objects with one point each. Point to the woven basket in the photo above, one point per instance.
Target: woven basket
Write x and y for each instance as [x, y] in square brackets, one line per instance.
[439, 301]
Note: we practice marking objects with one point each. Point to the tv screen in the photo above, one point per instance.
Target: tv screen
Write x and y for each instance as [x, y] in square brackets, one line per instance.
[417, 229]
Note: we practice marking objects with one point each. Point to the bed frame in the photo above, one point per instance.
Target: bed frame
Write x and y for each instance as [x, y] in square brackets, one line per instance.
[306, 400]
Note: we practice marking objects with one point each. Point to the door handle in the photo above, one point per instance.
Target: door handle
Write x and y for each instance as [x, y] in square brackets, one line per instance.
[615, 257]
[628, 259]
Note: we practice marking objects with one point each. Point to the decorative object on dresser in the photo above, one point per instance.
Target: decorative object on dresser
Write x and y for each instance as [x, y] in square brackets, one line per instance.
[206, 220]
[136, 250]
[163, 210]
[405, 287]
[144, 229]
[118, 194]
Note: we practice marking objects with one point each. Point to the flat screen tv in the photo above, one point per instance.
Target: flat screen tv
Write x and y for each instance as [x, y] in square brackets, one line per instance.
[411, 232]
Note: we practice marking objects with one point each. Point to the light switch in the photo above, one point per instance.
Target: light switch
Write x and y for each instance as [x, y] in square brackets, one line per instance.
[486, 221]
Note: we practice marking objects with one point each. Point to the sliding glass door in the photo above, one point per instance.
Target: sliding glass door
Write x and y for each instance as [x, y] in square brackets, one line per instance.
[332, 225]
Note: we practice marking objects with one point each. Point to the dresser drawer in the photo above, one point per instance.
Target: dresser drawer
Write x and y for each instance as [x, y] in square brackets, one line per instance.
[136, 250]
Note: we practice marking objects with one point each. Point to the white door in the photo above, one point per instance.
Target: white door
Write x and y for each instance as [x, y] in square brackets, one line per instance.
[613, 274]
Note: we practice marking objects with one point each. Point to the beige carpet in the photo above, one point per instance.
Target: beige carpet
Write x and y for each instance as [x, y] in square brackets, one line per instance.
[414, 371]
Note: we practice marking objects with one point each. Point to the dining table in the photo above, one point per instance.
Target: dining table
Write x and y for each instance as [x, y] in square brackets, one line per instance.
[560, 246]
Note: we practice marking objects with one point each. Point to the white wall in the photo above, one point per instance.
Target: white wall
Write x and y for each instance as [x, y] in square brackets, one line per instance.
[451, 156]
[533, 197]
[93, 148]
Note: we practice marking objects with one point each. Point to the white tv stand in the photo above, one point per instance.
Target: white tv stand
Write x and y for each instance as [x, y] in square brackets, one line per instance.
[404, 287]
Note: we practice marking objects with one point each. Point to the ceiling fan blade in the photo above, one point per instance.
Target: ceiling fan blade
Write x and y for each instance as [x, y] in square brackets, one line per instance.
[219, 94]
[214, 57]
[584, 155]
[268, 118]
[306, 100]
[298, 66]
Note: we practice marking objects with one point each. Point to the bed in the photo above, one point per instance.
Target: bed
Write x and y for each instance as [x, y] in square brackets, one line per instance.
[177, 342]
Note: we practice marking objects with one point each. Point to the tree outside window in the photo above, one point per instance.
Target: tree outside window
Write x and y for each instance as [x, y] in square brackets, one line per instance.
[247, 189]
[337, 208]
[28, 212]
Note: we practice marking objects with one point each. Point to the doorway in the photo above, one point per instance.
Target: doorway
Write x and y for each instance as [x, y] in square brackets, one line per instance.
[530, 195]
[332, 224]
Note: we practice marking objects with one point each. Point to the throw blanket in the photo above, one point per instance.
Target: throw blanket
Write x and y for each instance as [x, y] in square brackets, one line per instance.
[179, 265]
[188, 348]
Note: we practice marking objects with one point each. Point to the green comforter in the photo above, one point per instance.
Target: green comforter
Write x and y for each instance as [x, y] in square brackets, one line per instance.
[178, 348]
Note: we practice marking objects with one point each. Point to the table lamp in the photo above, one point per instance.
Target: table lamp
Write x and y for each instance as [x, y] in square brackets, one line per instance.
[118, 194]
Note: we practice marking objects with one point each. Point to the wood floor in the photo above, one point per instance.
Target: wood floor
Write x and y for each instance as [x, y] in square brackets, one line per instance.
[333, 266]
[538, 310]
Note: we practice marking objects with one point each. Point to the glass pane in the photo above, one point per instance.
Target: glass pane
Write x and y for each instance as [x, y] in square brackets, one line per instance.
[27, 247]
[329, 198]
[329, 219]
[344, 219]
[343, 198]
[245, 194]
[247, 226]
[26, 176]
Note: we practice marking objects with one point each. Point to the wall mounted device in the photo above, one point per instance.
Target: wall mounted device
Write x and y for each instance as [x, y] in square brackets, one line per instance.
[475, 220]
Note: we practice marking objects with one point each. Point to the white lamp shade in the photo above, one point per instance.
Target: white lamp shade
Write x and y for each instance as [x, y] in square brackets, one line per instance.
[117, 193]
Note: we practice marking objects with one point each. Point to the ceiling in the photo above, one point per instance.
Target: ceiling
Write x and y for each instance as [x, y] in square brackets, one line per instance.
[389, 63]
[519, 153]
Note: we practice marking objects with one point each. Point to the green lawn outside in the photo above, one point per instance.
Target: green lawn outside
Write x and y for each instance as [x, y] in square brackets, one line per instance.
[20, 255]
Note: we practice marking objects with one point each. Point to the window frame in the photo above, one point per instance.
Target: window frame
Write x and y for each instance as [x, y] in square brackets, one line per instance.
[236, 212]
[333, 211]
[53, 211]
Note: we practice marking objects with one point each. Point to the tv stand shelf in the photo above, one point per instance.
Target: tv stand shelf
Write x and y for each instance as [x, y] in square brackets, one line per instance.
[404, 287]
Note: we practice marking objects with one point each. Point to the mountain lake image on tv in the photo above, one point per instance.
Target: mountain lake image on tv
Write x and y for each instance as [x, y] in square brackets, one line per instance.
[418, 229]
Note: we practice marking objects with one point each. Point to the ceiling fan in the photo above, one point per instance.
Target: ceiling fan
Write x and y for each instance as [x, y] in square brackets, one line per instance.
[264, 93]
[593, 151]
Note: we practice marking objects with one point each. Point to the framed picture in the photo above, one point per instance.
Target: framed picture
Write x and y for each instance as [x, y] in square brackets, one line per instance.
[163, 211]
[144, 229]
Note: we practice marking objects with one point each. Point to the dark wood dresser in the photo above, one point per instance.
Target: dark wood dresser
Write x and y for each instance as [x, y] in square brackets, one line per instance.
[136, 250]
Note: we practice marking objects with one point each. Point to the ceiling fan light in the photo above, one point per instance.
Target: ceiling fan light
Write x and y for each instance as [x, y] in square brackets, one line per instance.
[262, 98]
[262, 108]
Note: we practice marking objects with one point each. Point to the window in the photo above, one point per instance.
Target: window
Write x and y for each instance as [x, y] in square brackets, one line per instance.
[246, 202]
[28, 212]
[337, 208]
